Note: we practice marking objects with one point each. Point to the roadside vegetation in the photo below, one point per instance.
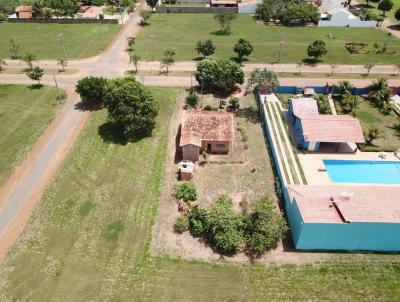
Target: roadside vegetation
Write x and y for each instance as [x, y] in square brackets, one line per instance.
[155, 38]
[24, 115]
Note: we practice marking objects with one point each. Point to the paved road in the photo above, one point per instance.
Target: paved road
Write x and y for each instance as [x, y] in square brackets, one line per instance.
[26, 186]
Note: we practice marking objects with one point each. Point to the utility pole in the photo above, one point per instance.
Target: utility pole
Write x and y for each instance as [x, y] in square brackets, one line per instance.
[58, 92]
[280, 49]
[152, 45]
[61, 39]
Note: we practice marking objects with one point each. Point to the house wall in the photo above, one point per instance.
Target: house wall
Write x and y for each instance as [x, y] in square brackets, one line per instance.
[190, 152]
[215, 146]
[346, 23]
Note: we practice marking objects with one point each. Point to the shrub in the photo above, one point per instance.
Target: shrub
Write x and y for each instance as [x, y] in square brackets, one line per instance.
[192, 100]
[226, 228]
[370, 134]
[206, 48]
[186, 191]
[323, 104]
[198, 221]
[181, 224]
[234, 103]
[263, 78]
[267, 227]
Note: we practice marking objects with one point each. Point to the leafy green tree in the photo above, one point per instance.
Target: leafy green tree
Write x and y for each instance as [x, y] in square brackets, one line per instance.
[370, 134]
[145, 16]
[198, 221]
[168, 58]
[262, 79]
[397, 14]
[152, 3]
[35, 74]
[192, 99]
[299, 14]
[206, 48]
[225, 226]
[91, 89]
[344, 87]
[317, 49]
[134, 58]
[267, 227]
[243, 48]
[264, 11]
[225, 20]
[186, 191]
[181, 224]
[29, 58]
[385, 6]
[131, 105]
[37, 9]
[220, 74]
[234, 103]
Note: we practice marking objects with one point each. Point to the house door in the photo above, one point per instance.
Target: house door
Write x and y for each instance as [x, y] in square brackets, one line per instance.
[208, 148]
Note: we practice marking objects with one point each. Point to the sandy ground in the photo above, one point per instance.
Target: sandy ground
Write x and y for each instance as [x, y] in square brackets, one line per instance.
[167, 242]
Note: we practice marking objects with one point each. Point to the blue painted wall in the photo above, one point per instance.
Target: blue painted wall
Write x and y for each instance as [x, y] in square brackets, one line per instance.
[318, 89]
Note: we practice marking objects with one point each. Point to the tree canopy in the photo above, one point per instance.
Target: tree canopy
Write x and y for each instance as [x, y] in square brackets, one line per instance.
[385, 6]
[206, 48]
[91, 89]
[243, 48]
[221, 74]
[262, 79]
[130, 105]
[317, 49]
[225, 19]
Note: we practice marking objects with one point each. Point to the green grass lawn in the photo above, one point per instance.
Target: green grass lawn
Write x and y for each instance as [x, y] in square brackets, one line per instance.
[80, 40]
[88, 239]
[24, 115]
[369, 115]
[182, 31]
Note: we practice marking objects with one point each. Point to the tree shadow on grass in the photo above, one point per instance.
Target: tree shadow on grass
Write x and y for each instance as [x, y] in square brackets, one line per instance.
[198, 58]
[35, 86]
[394, 27]
[250, 114]
[111, 132]
[219, 33]
[310, 61]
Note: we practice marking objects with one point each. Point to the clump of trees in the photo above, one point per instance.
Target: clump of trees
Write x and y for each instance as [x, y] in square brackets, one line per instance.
[229, 231]
[348, 102]
[186, 191]
[219, 74]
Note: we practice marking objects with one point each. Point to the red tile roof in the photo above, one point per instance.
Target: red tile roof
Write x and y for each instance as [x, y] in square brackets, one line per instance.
[331, 129]
[206, 125]
[24, 8]
[343, 204]
[303, 106]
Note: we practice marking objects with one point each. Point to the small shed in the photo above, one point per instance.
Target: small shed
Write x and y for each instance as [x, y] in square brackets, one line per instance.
[206, 131]
[24, 12]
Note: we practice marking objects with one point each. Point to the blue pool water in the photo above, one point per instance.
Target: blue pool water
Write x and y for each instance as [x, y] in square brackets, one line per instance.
[363, 171]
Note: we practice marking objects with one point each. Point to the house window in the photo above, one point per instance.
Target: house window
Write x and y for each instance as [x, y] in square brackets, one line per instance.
[220, 146]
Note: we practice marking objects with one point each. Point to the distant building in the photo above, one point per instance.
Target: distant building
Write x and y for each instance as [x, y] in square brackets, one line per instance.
[314, 131]
[338, 217]
[91, 12]
[206, 131]
[24, 12]
[340, 17]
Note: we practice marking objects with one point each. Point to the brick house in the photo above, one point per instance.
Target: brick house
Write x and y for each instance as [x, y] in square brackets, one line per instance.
[24, 12]
[209, 131]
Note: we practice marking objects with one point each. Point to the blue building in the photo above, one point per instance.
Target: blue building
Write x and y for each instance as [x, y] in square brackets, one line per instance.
[318, 132]
[344, 217]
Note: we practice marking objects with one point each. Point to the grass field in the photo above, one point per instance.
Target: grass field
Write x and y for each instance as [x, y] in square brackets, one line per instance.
[80, 40]
[24, 115]
[181, 32]
[88, 240]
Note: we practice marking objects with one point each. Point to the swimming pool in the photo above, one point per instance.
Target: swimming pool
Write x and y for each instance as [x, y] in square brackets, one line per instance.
[363, 171]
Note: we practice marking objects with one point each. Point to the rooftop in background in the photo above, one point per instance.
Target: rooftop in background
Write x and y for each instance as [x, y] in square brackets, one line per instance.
[343, 204]
[304, 106]
[24, 8]
[206, 125]
[331, 128]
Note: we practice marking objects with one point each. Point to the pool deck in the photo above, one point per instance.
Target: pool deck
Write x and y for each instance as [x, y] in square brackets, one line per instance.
[312, 162]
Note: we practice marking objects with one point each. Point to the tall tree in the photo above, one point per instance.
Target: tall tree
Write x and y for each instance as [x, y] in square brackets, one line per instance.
[168, 58]
[131, 105]
[206, 48]
[262, 79]
[317, 49]
[385, 6]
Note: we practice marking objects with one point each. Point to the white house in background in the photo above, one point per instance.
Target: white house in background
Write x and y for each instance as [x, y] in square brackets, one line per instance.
[340, 17]
[327, 5]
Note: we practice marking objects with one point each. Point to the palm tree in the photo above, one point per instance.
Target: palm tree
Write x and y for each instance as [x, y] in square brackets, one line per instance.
[368, 67]
[300, 67]
[397, 67]
[63, 62]
[380, 93]
[28, 58]
[134, 58]
[2, 63]
[333, 66]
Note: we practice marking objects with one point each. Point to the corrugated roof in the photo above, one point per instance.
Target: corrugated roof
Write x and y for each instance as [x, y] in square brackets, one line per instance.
[304, 106]
[331, 129]
[345, 204]
[206, 125]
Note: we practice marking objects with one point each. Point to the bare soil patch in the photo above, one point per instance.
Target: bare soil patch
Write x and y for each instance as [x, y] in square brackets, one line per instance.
[232, 175]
